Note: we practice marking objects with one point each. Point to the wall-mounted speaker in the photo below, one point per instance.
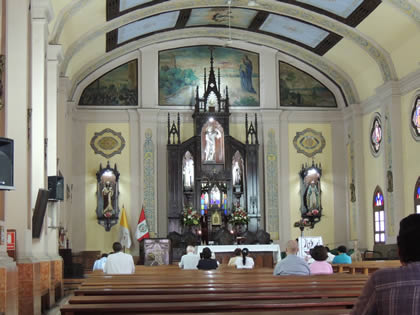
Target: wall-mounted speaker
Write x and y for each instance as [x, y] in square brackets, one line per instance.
[6, 164]
[56, 187]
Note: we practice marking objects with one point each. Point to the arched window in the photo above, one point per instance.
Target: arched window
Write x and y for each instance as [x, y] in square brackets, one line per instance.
[417, 196]
[378, 216]
[376, 135]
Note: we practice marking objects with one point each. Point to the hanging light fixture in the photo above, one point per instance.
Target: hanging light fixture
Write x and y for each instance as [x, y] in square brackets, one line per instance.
[229, 41]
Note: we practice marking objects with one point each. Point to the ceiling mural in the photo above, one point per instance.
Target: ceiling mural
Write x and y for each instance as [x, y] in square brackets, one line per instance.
[375, 51]
[220, 16]
[147, 25]
[338, 19]
[298, 31]
[128, 4]
[338, 7]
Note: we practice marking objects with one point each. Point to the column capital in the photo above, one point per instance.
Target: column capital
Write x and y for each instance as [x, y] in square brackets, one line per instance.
[42, 9]
[55, 53]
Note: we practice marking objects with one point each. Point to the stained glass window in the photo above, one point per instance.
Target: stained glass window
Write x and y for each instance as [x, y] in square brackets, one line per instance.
[378, 216]
[415, 119]
[376, 135]
[215, 197]
[417, 196]
[204, 203]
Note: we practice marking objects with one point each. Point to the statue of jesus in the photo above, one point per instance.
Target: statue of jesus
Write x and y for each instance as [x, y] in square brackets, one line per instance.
[210, 150]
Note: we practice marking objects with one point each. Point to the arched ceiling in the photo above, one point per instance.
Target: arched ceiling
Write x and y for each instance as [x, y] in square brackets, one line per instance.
[358, 49]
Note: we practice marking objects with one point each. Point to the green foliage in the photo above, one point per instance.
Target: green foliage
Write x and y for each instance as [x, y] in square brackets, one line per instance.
[173, 79]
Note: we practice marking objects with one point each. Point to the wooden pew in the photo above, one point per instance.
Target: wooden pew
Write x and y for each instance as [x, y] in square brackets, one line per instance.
[365, 267]
[170, 290]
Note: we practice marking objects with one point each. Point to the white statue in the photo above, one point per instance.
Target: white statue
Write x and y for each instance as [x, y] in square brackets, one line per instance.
[188, 173]
[236, 173]
[211, 135]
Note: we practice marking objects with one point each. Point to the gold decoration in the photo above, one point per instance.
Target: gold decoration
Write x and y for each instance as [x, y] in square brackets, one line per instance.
[107, 143]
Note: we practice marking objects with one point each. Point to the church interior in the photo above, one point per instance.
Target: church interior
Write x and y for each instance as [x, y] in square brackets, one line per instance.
[219, 120]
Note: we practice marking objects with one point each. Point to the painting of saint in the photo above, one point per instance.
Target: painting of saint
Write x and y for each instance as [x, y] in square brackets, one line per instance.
[376, 135]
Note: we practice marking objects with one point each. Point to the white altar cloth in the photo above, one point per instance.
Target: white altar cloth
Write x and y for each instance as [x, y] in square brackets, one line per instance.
[275, 248]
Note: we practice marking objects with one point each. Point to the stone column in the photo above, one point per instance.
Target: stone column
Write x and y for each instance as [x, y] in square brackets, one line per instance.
[16, 206]
[54, 57]
[358, 134]
[393, 189]
[284, 176]
[149, 172]
[274, 223]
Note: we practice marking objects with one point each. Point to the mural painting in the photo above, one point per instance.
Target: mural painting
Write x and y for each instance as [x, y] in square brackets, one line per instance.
[181, 71]
[298, 88]
[118, 87]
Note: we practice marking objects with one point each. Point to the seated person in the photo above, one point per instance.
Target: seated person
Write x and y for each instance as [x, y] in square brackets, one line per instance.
[396, 290]
[189, 260]
[100, 263]
[330, 256]
[119, 262]
[292, 264]
[244, 262]
[320, 266]
[342, 257]
[207, 263]
[232, 260]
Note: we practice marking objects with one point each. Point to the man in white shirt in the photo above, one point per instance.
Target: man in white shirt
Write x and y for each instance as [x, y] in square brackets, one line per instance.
[100, 263]
[119, 262]
[190, 260]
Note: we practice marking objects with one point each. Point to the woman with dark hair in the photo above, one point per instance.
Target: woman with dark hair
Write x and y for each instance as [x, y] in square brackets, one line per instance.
[320, 265]
[342, 257]
[232, 260]
[207, 263]
[245, 262]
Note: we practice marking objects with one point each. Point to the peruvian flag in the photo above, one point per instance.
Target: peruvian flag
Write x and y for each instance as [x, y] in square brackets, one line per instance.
[142, 230]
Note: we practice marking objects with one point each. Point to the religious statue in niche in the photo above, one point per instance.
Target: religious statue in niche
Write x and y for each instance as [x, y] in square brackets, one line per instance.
[212, 142]
[210, 150]
[237, 169]
[107, 210]
[188, 171]
[311, 207]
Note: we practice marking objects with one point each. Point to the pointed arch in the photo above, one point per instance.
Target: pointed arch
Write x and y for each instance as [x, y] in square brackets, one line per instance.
[379, 232]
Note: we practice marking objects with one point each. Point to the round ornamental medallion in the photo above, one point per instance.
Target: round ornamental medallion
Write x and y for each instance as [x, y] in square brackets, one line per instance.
[309, 142]
[107, 143]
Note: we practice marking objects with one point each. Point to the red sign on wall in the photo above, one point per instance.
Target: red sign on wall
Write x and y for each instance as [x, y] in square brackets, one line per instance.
[11, 240]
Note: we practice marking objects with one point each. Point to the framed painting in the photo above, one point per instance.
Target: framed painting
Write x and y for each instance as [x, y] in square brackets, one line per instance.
[298, 88]
[181, 70]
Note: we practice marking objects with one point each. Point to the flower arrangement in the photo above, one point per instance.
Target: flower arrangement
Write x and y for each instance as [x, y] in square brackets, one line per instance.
[190, 216]
[239, 216]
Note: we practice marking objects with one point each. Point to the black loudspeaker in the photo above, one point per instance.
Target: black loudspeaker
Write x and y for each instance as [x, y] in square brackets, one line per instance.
[6, 164]
[56, 187]
[39, 212]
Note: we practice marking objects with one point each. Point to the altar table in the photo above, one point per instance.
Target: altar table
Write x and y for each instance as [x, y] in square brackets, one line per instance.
[264, 255]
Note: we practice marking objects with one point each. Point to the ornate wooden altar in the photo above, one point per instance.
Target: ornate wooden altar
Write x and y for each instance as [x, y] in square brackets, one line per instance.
[212, 172]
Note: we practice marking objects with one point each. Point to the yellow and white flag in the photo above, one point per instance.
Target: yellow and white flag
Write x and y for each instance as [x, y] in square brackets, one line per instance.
[125, 238]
